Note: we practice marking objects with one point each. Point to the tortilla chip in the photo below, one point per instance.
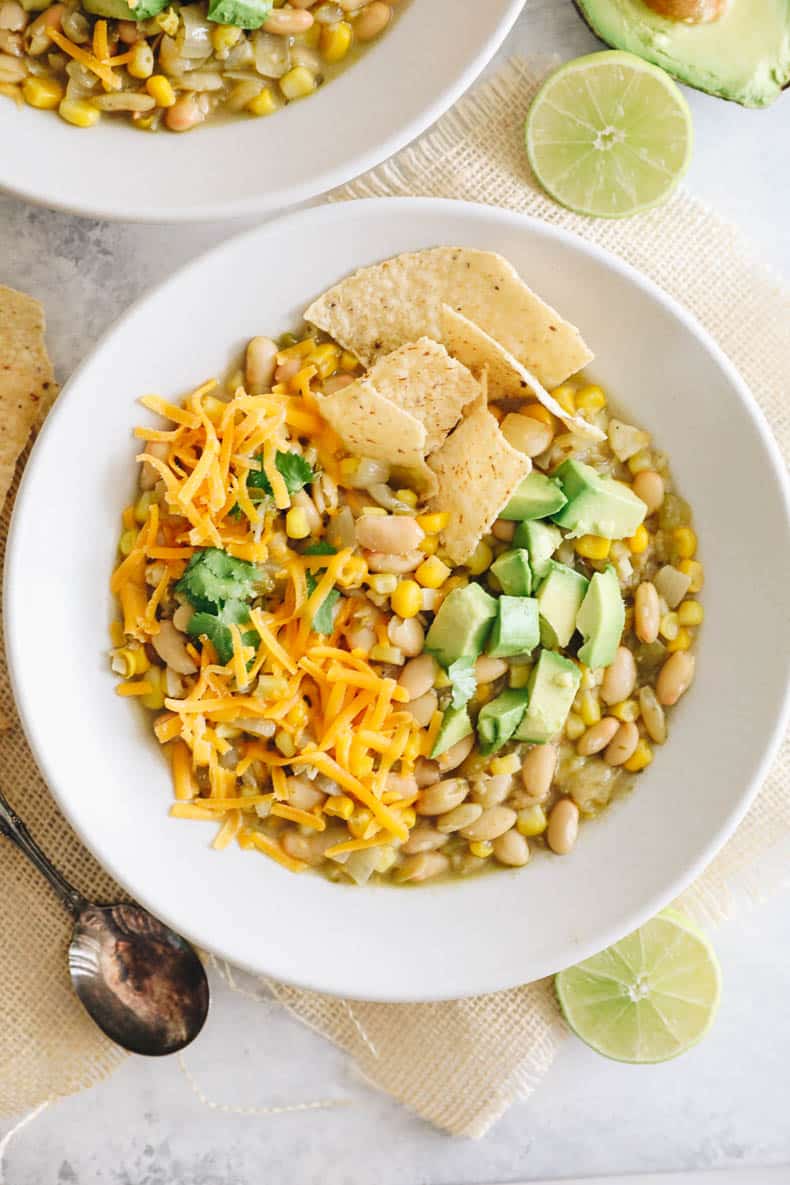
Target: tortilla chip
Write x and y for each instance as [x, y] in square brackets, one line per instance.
[477, 472]
[27, 387]
[507, 378]
[425, 381]
[370, 426]
[382, 307]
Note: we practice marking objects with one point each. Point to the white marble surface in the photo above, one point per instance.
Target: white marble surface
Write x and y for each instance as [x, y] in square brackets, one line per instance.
[724, 1105]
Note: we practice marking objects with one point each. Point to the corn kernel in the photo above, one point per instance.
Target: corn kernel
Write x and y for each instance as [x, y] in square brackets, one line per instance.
[531, 820]
[695, 570]
[432, 524]
[325, 358]
[590, 398]
[284, 742]
[593, 547]
[129, 661]
[264, 103]
[408, 497]
[668, 626]
[359, 821]
[223, 38]
[383, 583]
[296, 524]
[429, 545]
[160, 90]
[43, 93]
[373, 512]
[484, 693]
[482, 848]
[690, 613]
[639, 461]
[519, 675]
[298, 83]
[390, 654]
[339, 805]
[626, 711]
[335, 41]
[574, 727]
[79, 112]
[353, 572]
[566, 397]
[167, 21]
[127, 542]
[480, 559]
[538, 412]
[589, 709]
[510, 764]
[406, 601]
[348, 469]
[141, 63]
[638, 542]
[640, 758]
[455, 582]
[432, 573]
[156, 696]
[348, 361]
[685, 543]
[408, 817]
[141, 507]
[682, 641]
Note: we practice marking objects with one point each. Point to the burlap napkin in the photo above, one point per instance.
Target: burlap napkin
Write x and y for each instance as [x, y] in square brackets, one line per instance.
[458, 1064]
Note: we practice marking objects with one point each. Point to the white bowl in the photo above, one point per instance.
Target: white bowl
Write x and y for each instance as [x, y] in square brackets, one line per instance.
[451, 939]
[396, 89]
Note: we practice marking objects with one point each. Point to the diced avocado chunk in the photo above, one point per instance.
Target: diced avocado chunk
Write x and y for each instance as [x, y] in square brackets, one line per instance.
[552, 689]
[559, 599]
[537, 496]
[516, 629]
[454, 727]
[541, 541]
[601, 619]
[244, 14]
[119, 10]
[596, 505]
[461, 627]
[513, 572]
[500, 718]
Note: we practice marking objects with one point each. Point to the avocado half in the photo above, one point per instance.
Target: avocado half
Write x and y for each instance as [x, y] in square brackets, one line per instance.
[743, 56]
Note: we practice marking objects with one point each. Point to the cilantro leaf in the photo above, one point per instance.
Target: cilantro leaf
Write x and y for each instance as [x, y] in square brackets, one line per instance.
[324, 619]
[320, 547]
[296, 474]
[213, 577]
[461, 674]
[214, 626]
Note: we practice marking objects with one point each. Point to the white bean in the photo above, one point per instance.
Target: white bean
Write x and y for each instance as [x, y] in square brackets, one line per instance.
[488, 669]
[597, 736]
[563, 826]
[537, 770]
[422, 866]
[382, 561]
[287, 22]
[492, 790]
[529, 436]
[303, 794]
[372, 21]
[622, 744]
[407, 634]
[491, 824]
[423, 839]
[460, 816]
[148, 475]
[652, 715]
[170, 645]
[418, 675]
[675, 678]
[511, 848]
[260, 363]
[423, 708]
[647, 612]
[442, 796]
[619, 678]
[397, 534]
[456, 754]
[426, 772]
[503, 530]
[649, 486]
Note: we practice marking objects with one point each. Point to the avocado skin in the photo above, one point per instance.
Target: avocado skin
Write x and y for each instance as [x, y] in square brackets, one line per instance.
[683, 73]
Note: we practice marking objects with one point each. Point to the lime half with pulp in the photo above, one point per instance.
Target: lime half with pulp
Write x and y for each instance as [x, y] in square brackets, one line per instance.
[609, 135]
[647, 998]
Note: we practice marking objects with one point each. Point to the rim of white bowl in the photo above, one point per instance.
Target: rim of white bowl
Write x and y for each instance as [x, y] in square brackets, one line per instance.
[272, 201]
[651, 906]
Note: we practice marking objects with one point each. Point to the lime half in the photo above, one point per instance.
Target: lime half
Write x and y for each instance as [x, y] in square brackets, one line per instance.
[647, 998]
[609, 135]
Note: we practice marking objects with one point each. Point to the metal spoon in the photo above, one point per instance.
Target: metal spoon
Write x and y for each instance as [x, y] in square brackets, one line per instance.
[142, 984]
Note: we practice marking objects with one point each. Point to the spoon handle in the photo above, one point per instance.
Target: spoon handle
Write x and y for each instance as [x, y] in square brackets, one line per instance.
[14, 829]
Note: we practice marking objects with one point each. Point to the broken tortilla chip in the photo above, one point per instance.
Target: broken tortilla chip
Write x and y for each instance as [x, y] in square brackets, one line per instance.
[507, 378]
[477, 472]
[425, 381]
[27, 387]
[382, 307]
[370, 426]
